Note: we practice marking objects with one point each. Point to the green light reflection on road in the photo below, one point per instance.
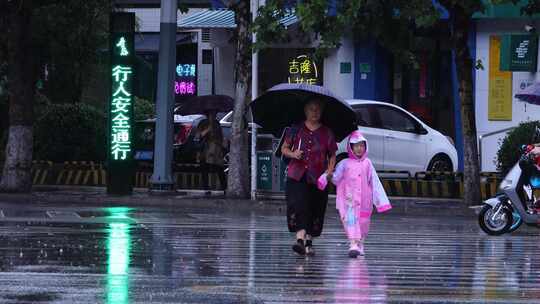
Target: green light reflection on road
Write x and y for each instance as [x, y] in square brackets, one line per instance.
[118, 250]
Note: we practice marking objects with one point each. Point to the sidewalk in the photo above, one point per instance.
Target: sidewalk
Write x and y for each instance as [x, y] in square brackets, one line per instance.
[97, 196]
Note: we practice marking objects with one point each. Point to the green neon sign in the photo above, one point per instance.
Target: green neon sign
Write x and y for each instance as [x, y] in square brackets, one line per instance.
[122, 46]
[120, 112]
[121, 119]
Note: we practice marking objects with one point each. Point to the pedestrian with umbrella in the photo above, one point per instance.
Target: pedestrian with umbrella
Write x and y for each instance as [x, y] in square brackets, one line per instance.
[209, 133]
[316, 119]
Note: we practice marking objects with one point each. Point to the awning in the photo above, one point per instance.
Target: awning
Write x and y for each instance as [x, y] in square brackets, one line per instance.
[504, 11]
[222, 19]
[157, 3]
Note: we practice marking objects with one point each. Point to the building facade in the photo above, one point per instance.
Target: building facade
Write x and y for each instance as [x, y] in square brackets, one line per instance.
[361, 70]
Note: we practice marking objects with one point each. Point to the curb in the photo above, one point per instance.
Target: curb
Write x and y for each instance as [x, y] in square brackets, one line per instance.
[97, 197]
[427, 184]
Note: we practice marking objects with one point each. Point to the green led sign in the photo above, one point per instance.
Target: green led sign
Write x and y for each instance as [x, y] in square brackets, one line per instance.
[120, 113]
[122, 46]
[120, 124]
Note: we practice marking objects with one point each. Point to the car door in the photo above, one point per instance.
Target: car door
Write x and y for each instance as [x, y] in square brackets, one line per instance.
[368, 124]
[405, 146]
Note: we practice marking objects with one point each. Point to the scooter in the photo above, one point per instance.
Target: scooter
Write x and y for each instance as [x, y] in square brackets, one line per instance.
[514, 205]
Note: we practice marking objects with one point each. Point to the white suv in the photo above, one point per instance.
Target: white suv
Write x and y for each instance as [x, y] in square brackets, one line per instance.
[400, 141]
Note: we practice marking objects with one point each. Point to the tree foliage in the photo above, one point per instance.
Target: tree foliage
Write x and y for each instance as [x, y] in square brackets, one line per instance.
[73, 35]
[510, 147]
[66, 132]
[391, 23]
[143, 109]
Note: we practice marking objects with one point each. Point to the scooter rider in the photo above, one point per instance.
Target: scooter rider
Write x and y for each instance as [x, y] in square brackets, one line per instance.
[530, 165]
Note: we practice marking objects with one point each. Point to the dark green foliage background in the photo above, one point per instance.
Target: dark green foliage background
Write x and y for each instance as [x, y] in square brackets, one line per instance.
[509, 151]
[67, 132]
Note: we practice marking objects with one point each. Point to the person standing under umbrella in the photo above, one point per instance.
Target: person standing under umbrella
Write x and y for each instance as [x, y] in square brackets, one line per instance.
[211, 156]
[209, 132]
[311, 148]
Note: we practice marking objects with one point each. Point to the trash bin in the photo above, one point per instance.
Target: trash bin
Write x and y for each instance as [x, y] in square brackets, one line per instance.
[264, 170]
[282, 175]
[270, 170]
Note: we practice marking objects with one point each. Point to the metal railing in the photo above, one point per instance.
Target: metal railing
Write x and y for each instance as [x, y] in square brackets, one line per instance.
[482, 137]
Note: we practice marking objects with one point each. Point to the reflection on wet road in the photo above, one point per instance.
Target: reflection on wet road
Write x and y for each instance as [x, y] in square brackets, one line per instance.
[196, 255]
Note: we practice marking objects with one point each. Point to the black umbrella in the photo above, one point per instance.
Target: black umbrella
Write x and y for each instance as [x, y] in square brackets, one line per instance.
[283, 105]
[202, 104]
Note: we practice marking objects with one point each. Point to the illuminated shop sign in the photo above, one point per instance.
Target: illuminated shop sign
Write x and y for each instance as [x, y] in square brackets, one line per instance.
[303, 69]
[186, 80]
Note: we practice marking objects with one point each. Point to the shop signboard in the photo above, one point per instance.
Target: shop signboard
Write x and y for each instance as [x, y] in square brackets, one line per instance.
[500, 85]
[186, 79]
[519, 53]
[303, 69]
[120, 113]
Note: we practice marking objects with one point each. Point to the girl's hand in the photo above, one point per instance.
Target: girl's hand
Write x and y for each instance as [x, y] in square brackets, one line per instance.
[329, 176]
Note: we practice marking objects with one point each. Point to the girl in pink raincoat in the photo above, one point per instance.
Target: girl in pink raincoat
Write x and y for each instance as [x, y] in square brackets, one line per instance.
[358, 189]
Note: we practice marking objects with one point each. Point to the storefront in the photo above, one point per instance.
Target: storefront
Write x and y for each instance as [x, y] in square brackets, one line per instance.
[509, 55]
[425, 88]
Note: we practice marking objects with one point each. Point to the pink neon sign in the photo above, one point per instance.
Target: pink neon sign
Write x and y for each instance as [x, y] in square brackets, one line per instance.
[184, 87]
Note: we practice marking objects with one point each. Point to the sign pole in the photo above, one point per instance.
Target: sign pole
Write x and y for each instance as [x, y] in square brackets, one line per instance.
[254, 95]
[162, 179]
[120, 108]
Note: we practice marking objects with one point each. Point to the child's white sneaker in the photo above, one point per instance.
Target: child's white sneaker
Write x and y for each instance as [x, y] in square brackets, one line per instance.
[361, 248]
[354, 251]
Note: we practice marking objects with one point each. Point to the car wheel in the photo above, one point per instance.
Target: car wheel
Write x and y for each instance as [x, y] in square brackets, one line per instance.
[440, 163]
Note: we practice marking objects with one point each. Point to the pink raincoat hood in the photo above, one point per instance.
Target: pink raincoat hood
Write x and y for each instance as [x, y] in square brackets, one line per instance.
[357, 136]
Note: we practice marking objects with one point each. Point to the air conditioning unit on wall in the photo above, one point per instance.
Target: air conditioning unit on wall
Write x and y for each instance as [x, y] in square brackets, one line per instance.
[211, 43]
[205, 63]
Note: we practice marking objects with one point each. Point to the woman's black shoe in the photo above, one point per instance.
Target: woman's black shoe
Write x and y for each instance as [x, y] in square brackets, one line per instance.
[299, 247]
[309, 248]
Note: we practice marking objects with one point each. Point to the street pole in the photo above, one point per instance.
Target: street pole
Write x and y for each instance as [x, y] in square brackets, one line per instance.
[254, 94]
[162, 179]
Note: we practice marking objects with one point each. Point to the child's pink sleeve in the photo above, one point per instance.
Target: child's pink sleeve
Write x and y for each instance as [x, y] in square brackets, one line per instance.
[338, 173]
[380, 200]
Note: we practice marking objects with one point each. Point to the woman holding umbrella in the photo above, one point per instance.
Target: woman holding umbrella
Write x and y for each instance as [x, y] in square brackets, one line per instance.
[311, 146]
[209, 133]
[211, 156]
[317, 119]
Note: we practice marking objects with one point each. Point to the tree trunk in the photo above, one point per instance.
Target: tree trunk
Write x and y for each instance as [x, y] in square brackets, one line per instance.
[238, 177]
[464, 64]
[22, 75]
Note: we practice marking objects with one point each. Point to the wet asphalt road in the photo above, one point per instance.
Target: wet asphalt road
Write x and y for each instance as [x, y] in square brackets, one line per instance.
[197, 255]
